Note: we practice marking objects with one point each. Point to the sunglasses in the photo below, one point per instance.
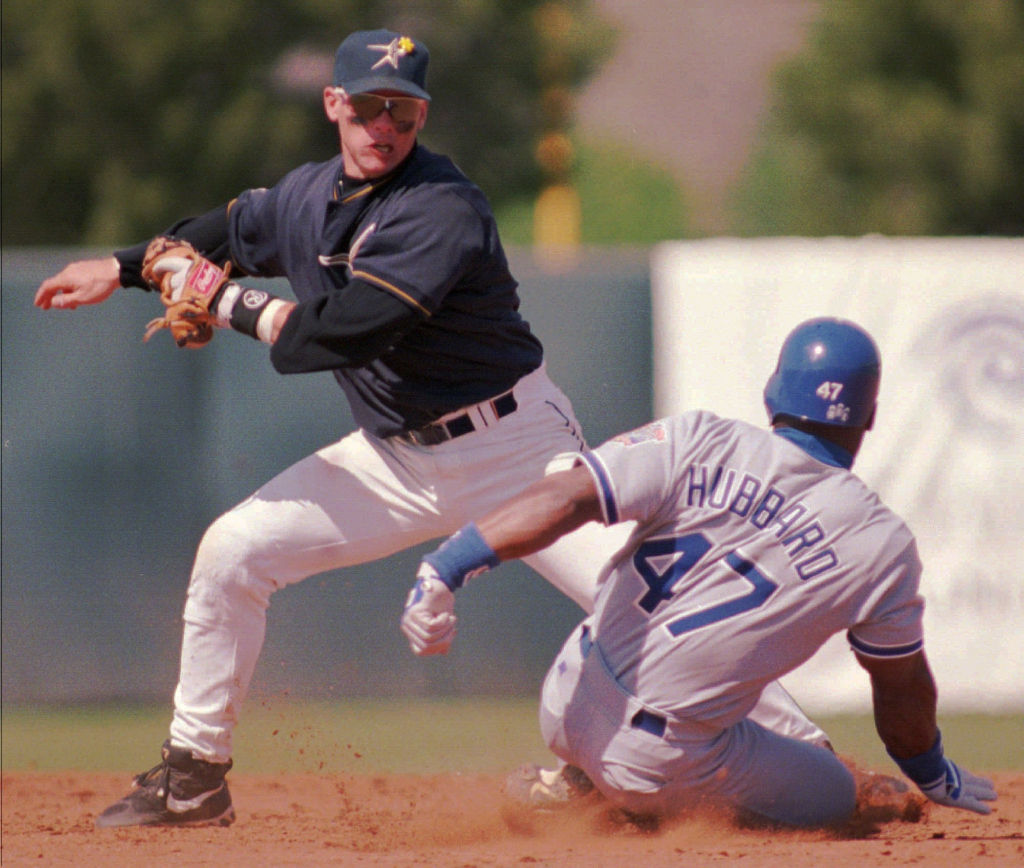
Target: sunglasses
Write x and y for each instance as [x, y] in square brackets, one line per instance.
[404, 110]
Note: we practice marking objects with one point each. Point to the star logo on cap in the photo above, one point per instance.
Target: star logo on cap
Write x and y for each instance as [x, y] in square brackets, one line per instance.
[394, 50]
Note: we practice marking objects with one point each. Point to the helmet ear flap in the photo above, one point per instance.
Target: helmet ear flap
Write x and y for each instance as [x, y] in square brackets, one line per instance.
[771, 396]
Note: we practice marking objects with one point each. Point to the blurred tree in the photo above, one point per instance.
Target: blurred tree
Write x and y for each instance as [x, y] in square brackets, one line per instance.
[904, 117]
[623, 200]
[119, 116]
[626, 199]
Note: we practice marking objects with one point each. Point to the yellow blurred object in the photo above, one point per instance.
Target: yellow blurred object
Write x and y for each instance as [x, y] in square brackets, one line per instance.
[557, 214]
[556, 218]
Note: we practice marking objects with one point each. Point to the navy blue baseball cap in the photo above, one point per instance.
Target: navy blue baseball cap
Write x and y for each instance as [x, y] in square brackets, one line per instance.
[372, 60]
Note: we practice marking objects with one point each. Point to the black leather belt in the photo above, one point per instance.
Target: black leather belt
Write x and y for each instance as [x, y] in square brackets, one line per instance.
[441, 432]
[649, 722]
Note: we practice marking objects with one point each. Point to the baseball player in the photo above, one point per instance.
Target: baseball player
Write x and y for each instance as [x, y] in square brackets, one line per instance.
[403, 292]
[751, 548]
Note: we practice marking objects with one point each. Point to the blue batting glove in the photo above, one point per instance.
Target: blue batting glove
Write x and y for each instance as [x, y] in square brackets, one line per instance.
[944, 782]
[960, 789]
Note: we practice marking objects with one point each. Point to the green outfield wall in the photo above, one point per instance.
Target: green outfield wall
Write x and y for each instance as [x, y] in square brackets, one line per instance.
[117, 455]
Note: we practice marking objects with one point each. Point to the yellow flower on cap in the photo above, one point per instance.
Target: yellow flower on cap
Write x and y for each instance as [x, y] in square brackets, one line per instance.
[406, 45]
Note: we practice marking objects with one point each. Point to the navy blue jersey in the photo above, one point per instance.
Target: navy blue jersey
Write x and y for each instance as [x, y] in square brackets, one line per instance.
[425, 235]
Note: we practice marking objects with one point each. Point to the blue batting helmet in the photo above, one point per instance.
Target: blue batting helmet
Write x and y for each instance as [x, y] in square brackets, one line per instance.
[829, 370]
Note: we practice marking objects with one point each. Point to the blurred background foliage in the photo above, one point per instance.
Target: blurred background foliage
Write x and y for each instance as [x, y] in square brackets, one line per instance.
[902, 117]
[120, 116]
[624, 200]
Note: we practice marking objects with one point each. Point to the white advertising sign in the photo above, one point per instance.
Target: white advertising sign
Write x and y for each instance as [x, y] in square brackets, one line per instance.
[947, 451]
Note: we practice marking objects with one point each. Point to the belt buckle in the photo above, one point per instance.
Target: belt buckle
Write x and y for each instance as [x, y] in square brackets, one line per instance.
[441, 432]
[430, 435]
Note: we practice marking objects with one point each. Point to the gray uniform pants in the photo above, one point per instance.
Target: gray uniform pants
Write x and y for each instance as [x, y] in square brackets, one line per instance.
[650, 763]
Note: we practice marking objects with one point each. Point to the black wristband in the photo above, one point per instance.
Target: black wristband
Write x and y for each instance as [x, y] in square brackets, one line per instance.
[130, 260]
[247, 309]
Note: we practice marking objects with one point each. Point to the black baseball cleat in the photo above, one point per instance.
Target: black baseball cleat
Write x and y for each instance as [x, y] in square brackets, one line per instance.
[540, 789]
[181, 791]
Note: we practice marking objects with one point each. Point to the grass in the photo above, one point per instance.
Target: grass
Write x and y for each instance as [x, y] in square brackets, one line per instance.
[414, 736]
[980, 742]
[406, 736]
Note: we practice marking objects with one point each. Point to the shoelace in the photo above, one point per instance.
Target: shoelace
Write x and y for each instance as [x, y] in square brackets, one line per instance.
[159, 773]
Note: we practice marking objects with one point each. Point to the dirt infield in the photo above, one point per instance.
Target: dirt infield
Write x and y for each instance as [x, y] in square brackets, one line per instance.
[462, 822]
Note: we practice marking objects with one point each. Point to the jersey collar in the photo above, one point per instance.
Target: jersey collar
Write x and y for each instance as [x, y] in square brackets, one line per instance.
[348, 188]
[823, 450]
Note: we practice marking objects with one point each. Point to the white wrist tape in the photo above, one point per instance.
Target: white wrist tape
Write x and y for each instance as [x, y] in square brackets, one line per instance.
[265, 324]
[226, 303]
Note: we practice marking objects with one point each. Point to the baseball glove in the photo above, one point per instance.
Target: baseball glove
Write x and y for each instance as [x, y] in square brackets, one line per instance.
[189, 286]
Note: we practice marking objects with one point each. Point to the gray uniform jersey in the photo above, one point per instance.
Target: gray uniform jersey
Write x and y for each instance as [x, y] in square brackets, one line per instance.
[751, 550]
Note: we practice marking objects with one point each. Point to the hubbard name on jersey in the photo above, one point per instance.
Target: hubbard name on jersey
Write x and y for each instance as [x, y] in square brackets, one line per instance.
[745, 529]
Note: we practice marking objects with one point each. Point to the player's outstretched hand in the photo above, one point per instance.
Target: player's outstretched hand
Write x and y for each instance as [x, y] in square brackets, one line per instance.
[961, 789]
[428, 621]
[88, 281]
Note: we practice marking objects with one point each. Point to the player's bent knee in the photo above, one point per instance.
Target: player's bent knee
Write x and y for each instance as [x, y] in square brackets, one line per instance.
[830, 802]
[228, 561]
[228, 539]
[794, 784]
[837, 811]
